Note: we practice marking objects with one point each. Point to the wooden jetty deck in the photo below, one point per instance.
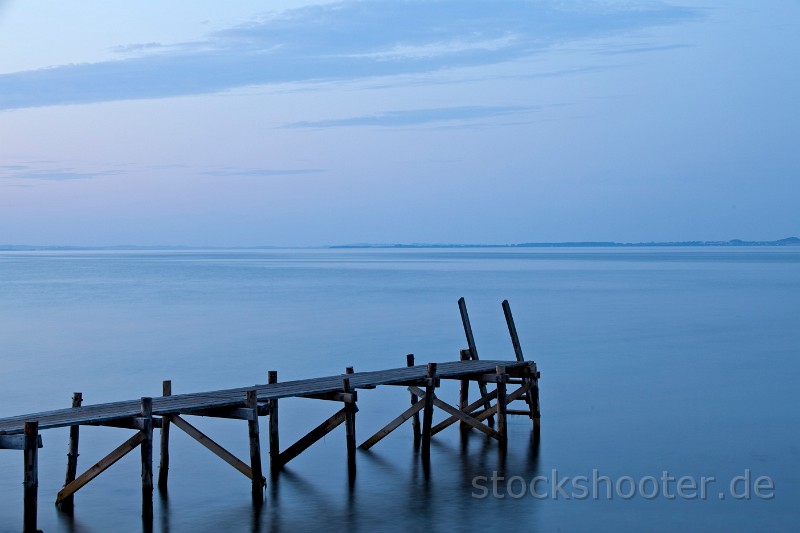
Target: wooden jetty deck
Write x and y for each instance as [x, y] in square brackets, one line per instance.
[22, 432]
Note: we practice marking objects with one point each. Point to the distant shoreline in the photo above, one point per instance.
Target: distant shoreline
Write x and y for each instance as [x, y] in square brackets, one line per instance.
[790, 241]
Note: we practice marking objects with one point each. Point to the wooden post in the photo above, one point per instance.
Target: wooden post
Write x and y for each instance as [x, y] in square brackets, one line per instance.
[414, 399]
[163, 465]
[274, 439]
[350, 427]
[146, 448]
[72, 454]
[31, 483]
[463, 392]
[427, 417]
[255, 447]
[501, 404]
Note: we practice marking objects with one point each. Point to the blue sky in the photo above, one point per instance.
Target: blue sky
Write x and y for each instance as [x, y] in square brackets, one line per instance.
[208, 123]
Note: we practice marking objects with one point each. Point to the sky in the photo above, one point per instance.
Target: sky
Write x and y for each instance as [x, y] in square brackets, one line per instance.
[302, 123]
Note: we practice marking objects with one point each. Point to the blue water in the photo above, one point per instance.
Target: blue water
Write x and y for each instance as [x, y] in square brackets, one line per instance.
[652, 360]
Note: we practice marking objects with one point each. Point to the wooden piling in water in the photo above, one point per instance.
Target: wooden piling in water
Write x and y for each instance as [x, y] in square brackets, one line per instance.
[163, 464]
[415, 425]
[31, 480]
[146, 447]
[274, 436]
[255, 446]
[72, 454]
[427, 415]
[350, 426]
[502, 404]
[463, 391]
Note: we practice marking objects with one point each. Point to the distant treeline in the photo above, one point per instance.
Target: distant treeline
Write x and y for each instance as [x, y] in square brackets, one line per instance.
[790, 241]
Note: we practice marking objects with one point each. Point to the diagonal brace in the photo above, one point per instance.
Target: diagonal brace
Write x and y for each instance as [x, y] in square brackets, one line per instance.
[397, 422]
[103, 464]
[464, 417]
[215, 448]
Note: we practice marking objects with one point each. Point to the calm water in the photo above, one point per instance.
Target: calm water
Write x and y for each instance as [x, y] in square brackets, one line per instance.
[652, 360]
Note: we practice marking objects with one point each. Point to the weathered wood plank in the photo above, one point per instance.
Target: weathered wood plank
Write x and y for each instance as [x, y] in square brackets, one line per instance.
[209, 443]
[16, 442]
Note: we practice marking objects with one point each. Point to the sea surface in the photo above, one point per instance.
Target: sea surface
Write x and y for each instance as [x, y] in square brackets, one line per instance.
[655, 362]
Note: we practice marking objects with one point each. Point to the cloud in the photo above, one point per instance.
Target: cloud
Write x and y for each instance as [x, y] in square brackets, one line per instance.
[341, 41]
[259, 172]
[412, 117]
[24, 172]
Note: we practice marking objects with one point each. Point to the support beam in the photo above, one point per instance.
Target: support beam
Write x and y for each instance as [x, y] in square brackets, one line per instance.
[147, 457]
[255, 446]
[72, 453]
[100, 467]
[215, 448]
[16, 442]
[427, 415]
[311, 437]
[234, 413]
[412, 411]
[163, 464]
[274, 437]
[462, 307]
[415, 426]
[31, 482]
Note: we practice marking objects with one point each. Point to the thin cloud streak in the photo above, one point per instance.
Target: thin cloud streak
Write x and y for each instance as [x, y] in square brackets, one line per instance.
[343, 41]
[413, 117]
[260, 172]
[22, 172]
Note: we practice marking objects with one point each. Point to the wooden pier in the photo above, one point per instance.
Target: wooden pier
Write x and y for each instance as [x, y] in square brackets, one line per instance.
[249, 403]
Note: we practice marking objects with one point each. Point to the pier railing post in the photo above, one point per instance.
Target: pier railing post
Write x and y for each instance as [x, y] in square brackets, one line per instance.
[31, 483]
[427, 415]
[502, 404]
[72, 454]
[274, 436]
[146, 448]
[255, 447]
[350, 426]
[163, 464]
